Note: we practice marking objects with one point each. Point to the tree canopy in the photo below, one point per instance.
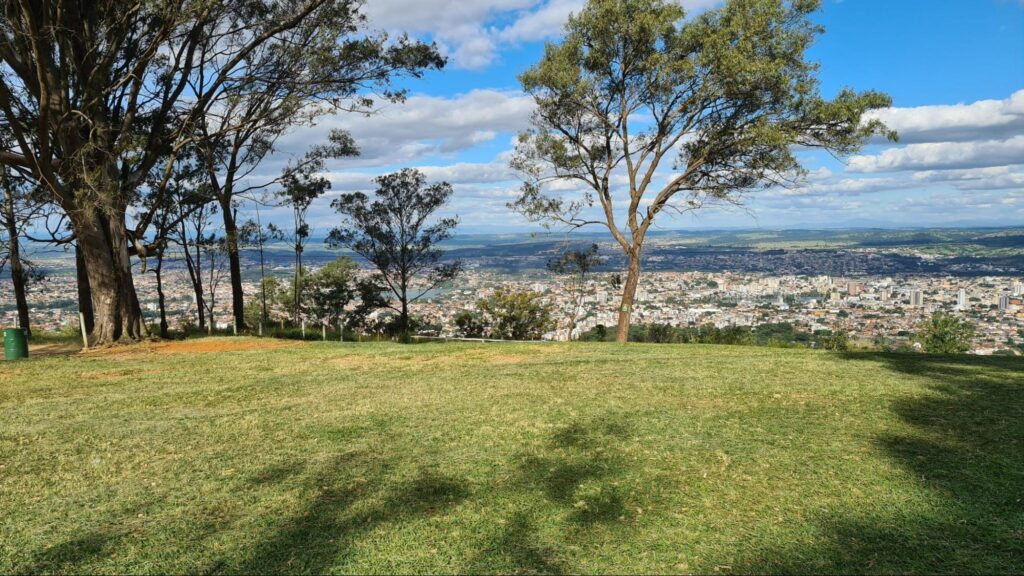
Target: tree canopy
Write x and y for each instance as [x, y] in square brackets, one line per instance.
[641, 110]
[394, 232]
[97, 95]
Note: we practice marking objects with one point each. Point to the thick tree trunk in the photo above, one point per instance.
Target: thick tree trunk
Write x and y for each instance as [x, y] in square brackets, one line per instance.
[84, 293]
[18, 275]
[628, 295]
[103, 245]
[235, 265]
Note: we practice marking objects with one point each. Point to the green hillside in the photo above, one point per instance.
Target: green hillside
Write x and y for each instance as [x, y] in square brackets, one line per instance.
[234, 455]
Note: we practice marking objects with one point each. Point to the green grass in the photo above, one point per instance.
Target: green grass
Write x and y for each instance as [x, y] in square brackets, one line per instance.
[333, 457]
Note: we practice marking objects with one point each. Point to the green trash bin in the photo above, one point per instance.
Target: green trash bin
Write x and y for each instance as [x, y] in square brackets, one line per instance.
[15, 344]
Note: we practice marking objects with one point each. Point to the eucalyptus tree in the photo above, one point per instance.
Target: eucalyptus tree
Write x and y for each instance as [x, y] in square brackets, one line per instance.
[98, 93]
[393, 232]
[301, 184]
[254, 234]
[315, 75]
[18, 208]
[643, 111]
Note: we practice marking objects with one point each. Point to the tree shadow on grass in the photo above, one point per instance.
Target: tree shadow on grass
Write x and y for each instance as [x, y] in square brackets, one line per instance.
[351, 496]
[963, 442]
[97, 545]
[517, 549]
[580, 469]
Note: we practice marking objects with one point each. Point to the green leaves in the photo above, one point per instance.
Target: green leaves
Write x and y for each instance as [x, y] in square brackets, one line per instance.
[945, 334]
[392, 232]
[728, 95]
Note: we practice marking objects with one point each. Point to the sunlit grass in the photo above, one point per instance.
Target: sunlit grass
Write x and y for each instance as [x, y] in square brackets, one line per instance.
[221, 455]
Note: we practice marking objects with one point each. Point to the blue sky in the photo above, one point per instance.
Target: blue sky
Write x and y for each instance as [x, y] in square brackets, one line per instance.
[955, 70]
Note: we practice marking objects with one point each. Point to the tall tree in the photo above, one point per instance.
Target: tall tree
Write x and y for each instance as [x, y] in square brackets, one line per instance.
[643, 108]
[393, 233]
[302, 183]
[319, 75]
[254, 234]
[195, 215]
[96, 94]
[17, 209]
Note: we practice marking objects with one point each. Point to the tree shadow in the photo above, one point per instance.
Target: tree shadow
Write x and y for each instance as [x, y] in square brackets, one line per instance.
[517, 549]
[962, 441]
[351, 496]
[580, 467]
[71, 554]
[75, 554]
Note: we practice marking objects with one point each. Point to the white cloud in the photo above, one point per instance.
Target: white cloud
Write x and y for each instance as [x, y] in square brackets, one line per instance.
[992, 178]
[943, 155]
[471, 32]
[847, 186]
[981, 120]
[423, 126]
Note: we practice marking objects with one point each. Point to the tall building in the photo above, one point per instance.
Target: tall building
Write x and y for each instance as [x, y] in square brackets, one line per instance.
[961, 299]
[1004, 302]
[916, 298]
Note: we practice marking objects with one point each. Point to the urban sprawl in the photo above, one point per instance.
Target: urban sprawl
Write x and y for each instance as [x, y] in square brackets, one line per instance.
[870, 309]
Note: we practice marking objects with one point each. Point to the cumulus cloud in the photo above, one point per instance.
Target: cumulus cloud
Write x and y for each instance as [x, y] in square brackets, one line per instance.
[981, 120]
[992, 178]
[459, 27]
[423, 126]
[943, 155]
[472, 32]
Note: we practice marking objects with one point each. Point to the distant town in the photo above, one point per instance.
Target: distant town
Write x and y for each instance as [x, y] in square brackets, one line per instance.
[875, 310]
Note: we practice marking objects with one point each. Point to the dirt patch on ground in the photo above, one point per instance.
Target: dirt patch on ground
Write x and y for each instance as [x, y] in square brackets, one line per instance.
[191, 346]
[52, 349]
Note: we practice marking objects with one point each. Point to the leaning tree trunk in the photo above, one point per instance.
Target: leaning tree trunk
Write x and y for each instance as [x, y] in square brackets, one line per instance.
[235, 265]
[628, 295]
[103, 244]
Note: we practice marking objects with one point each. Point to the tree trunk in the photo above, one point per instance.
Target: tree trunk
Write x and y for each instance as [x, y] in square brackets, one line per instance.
[18, 276]
[628, 295]
[263, 281]
[84, 293]
[297, 283]
[235, 265]
[161, 299]
[404, 320]
[196, 276]
[103, 245]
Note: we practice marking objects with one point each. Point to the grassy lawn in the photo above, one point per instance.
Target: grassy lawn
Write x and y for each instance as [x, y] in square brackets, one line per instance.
[226, 456]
